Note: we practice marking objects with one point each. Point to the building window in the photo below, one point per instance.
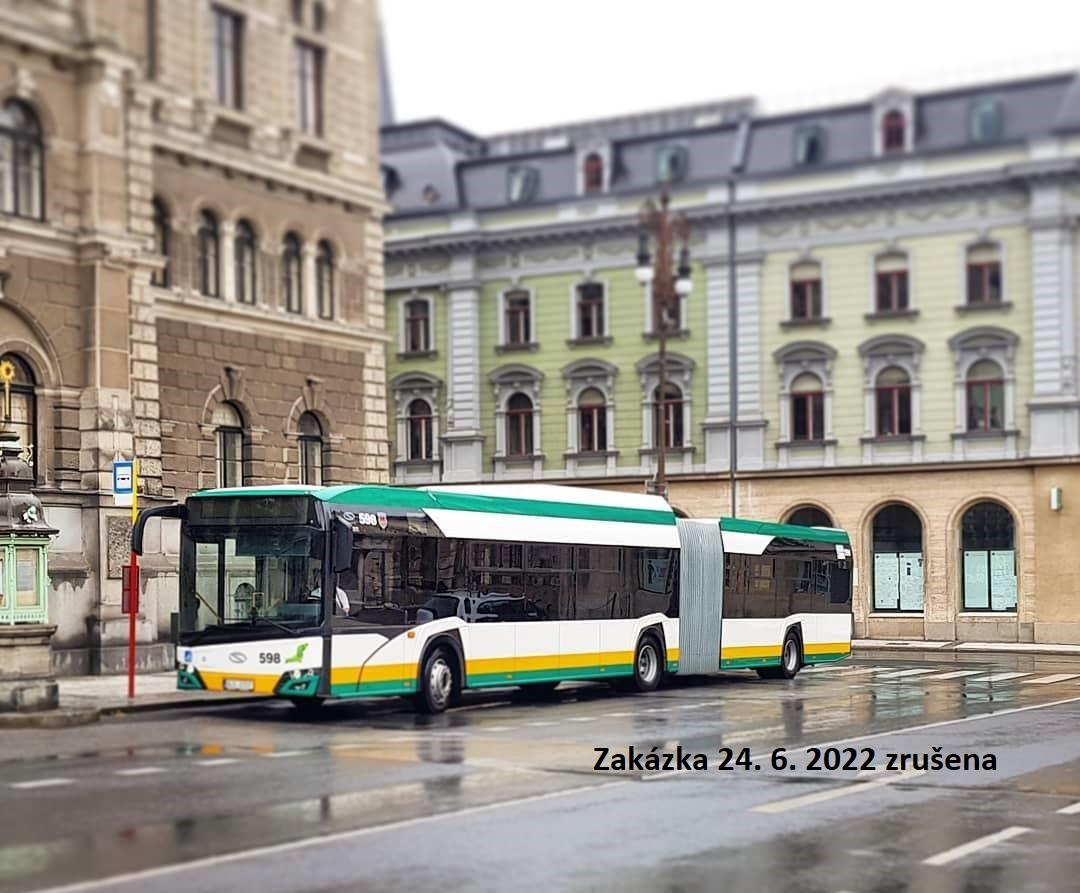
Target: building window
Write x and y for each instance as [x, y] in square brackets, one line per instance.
[519, 426]
[162, 237]
[229, 430]
[670, 407]
[420, 429]
[292, 273]
[310, 445]
[417, 326]
[318, 17]
[309, 87]
[592, 422]
[809, 516]
[672, 164]
[893, 137]
[298, 12]
[590, 310]
[984, 275]
[985, 397]
[891, 283]
[23, 409]
[898, 560]
[988, 556]
[522, 184]
[987, 120]
[807, 408]
[21, 161]
[228, 58]
[593, 173]
[809, 146]
[893, 402]
[324, 279]
[806, 291]
[517, 315]
[209, 261]
[245, 263]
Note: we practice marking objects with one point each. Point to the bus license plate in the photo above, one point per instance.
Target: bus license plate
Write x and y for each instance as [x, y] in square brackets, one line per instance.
[239, 684]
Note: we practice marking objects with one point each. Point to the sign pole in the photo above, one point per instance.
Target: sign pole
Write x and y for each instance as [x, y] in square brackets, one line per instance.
[133, 598]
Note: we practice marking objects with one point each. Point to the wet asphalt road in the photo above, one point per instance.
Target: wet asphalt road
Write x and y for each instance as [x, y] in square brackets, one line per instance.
[502, 793]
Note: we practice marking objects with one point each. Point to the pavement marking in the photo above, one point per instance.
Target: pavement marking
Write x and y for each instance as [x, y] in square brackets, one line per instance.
[616, 713]
[544, 722]
[142, 770]
[278, 754]
[900, 674]
[497, 729]
[40, 783]
[581, 719]
[955, 674]
[979, 843]
[1071, 809]
[1046, 680]
[317, 840]
[221, 761]
[998, 677]
[831, 794]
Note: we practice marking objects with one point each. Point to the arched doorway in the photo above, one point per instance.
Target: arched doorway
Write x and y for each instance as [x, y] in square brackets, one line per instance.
[809, 516]
[898, 560]
[988, 558]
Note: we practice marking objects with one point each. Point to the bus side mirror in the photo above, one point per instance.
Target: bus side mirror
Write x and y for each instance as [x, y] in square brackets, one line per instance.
[342, 545]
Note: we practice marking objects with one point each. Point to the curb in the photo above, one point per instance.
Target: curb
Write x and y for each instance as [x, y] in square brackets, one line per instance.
[151, 706]
[50, 719]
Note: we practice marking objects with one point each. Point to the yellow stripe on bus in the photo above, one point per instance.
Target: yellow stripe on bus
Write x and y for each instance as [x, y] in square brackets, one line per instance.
[745, 651]
[827, 647]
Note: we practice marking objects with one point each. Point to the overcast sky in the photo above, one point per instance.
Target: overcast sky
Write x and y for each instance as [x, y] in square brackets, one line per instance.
[496, 65]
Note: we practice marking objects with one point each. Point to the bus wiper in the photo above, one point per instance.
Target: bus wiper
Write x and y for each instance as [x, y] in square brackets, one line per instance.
[256, 618]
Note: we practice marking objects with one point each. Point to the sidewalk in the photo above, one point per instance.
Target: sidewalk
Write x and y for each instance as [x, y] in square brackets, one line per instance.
[153, 691]
[991, 647]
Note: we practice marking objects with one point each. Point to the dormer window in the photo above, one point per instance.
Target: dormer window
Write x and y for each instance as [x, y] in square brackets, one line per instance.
[672, 164]
[893, 135]
[809, 145]
[987, 120]
[430, 194]
[593, 172]
[522, 184]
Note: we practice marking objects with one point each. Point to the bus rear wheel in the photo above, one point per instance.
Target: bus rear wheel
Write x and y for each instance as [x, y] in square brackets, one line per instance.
[438, 682]
[790, 660]
[648, 664]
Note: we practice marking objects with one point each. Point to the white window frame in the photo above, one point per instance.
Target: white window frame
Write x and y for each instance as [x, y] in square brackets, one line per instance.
[805, 259]
[965, 250]
[648, 330]
[506, 381]
[575, 321]
[405, 388]
[793, 360]
[878, 354]
[580, 376]
[875, 260]
[679, 371]
[503, 341]
[403, 338]
[968, 348]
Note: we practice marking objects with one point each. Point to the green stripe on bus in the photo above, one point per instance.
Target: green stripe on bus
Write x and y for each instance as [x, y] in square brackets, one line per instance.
[607, 671]
[791, 531]
[374, 689]
[827, 657]
[743, 663]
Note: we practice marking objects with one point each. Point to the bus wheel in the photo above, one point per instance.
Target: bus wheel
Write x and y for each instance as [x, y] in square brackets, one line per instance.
[790, 657]
[436, 682]
[648, 667]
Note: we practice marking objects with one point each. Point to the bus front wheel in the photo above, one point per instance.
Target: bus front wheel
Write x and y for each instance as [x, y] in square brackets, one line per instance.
[437, 682]
[648, 665]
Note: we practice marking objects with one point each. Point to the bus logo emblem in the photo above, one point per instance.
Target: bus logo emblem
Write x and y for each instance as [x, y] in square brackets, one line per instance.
[237, 657]
[382, 520]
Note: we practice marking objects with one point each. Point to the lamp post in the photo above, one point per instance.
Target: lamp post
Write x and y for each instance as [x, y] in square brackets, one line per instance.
[669, 285]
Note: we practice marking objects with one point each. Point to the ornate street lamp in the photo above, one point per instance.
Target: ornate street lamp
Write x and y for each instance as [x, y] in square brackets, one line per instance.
[669, 286]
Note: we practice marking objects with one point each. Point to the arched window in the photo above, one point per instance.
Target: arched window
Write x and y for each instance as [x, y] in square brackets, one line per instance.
[519, 426]
[324, 279]
[420, 425]
[892, 398]
[23, 408]
[311, 450]
[244, 257]
[670, 407]
[21, 160]
[593, 173]
[988, 556]
[985, 397]
[807, 408]
[229, 430]
[592, 421]
[292, 277]
[162, 243]
[209, 255]
[898, 560]
[809, 516]
[893, 137]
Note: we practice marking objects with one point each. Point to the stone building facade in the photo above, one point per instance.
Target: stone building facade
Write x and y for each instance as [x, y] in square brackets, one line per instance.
[191, 269]
[907, 341]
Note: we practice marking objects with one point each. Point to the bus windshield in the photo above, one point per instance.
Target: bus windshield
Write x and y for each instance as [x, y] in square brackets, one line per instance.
[252, 575]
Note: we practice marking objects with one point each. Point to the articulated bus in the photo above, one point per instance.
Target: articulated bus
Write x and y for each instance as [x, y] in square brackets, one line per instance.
[311, 593]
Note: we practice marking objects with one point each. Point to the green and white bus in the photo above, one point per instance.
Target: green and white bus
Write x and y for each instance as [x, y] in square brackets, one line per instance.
[312, 593]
